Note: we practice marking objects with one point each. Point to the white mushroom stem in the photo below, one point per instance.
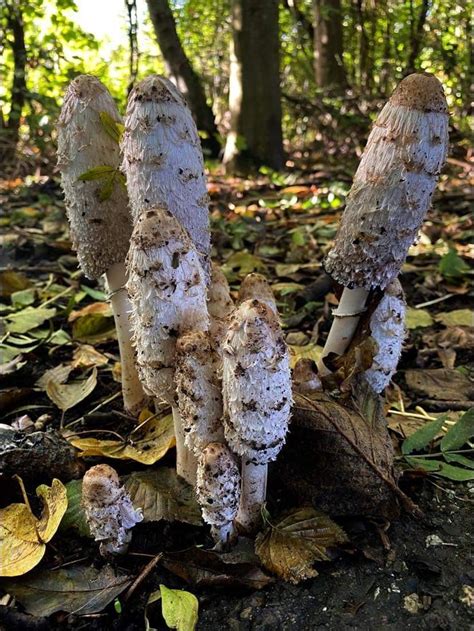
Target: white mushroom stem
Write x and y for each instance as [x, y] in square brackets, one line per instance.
[218, 491]
[134, 398]
[346, 318]
[257, 398]
[108, 508]
[253, 493]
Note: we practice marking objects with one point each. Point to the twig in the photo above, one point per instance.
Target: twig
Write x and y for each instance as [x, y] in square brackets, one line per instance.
[142, 576]
[407, 503]
[433, 302]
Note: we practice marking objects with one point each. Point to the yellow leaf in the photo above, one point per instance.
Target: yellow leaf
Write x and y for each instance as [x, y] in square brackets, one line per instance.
[179, 609]
[296, 541]
[85, 356]
[23, 537]
[308, 351]
[146, 444]
[417, 318]
[67, 395]
[96, 308]
[458, 317]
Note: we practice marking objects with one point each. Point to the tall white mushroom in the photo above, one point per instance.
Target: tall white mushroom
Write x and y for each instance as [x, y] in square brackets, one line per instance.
[219, 303]
[163, 161]
[167, 291]
[218, 491]
[257, 399]
[389, 198]
[387, 329]
[97, 206]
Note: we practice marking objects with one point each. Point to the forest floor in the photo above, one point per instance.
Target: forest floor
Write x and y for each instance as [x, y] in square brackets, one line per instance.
[403, 573]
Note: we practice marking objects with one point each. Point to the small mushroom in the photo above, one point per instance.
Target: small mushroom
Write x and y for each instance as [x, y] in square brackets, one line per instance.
[257, 399]
[388, 201]
[256, 286]
[100, 225]
[218, 491]
[108, 509]
[163, 161]
[167, 292]
[387, 329]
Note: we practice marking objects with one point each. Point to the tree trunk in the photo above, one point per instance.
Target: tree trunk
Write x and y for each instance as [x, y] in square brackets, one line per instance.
[365, 64]
[11, 131]
[254, 88]
[416, 36]
[182, 73]
[328, 46]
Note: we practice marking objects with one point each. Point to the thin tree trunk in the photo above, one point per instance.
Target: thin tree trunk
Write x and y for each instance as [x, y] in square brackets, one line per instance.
[254, 87]
[416, 35]
[365, 69]
[182, 73]
[11, 131]
[328, 46]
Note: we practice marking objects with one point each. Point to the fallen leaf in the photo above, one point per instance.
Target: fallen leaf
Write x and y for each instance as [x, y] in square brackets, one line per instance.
[458, 317]
[23, 298]
[424, 436]
[28, 319]
[442, 384]
[179, 608]
[417, 318]
[67, 395]
[58, 374]
[440, 468]
[162, 494]
[79, 589]
[74, 517]
[96, 308]
[207, 568]
[308, 351]
[453, 266]
[11, 281]
[85, 356]
[460, 433]
[23, 537]
[290, 547]
[241, 264]
[145, 445]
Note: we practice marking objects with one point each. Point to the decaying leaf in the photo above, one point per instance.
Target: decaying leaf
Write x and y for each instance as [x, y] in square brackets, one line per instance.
[23, 536]
[458, 317]
[146, 444]
[207, 568]
[58, 374]
[86, 356]
[179, 608]
[308, 351]
[93, 324]
[67, 395]
[11, 281]
[162, 494]
[290, 547]
[79, 589]
[418, 318]
[443, 384]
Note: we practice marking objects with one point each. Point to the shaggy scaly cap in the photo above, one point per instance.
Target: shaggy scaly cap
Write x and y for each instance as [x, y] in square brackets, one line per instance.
[393, 185]
[199, 390]
[163, 161]
[256, 286]
[168, 294]
[256, 383]
[218, 485]
[100, 230]
[387, 328]
[108, 509]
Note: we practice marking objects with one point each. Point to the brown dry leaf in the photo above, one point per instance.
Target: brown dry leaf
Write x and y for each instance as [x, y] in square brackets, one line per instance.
[442, 384]
[299, 538]
[308, 351]
[147, 444]
[23, 537]
[58, 374]
[11, 281]
[67, 395]
[96, 308]
[85, 356]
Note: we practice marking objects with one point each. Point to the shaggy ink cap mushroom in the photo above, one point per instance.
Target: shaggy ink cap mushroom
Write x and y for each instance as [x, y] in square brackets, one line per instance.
[100, 230]
[163, 161]
[108, 509]
[393, 185]
[256, 286]
[219, 304]
[218, 490]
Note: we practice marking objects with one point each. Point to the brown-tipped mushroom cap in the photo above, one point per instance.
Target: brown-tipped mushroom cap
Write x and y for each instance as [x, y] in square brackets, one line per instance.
[392, 187]
[100, 230]
[163, 161]
[256, 286]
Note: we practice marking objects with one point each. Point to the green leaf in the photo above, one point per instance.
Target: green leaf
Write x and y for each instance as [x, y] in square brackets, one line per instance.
[452, 265]
[105, 192]
[459, 459]
[417, 318]
[23, 298]
[423, 437]
[29, 318]
[74, 517]
[97, 173]
[179, 609]
[112, 128]
[459, 433]
[442, 469]
[458, 317]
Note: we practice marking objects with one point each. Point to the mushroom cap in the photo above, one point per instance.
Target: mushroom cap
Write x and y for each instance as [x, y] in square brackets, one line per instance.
[100, 486]
[218, 484]
[392, 187]
[163, 160]
[256, 383]
[256, 286]
[199, 390]
[167, 290]
[100, 230]
[220, 303]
